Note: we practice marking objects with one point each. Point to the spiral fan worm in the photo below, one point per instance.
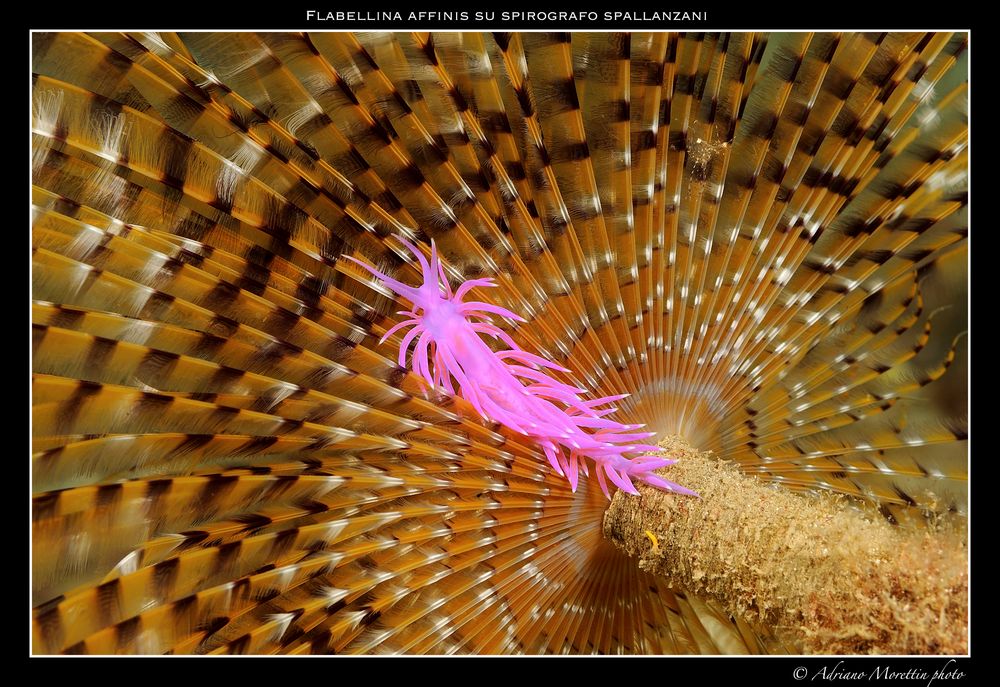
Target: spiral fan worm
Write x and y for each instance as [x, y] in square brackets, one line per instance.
[755, 241]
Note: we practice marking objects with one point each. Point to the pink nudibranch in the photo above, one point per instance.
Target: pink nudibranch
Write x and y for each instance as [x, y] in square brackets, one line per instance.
[510, 386]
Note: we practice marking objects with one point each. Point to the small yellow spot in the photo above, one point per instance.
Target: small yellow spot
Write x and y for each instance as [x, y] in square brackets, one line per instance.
[656, 544]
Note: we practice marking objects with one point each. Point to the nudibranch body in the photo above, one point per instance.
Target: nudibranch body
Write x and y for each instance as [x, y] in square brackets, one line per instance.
[510, 386]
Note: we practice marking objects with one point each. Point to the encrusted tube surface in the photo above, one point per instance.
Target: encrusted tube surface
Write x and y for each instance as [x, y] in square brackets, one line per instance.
[823, 574]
